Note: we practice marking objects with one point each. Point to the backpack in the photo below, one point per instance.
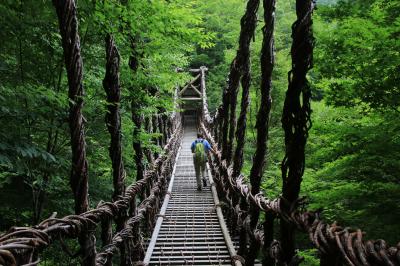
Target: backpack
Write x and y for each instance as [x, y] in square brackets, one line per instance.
[199, 152]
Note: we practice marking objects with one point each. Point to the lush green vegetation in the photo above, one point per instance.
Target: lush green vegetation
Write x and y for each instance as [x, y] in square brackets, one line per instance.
[354, 145]
[353, 149]
[353, 152]
[34, 109]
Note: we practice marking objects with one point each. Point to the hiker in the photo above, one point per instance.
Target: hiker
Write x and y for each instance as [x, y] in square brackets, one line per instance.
[200, 148]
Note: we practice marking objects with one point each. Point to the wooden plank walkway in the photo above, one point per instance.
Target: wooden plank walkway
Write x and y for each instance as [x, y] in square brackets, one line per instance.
[189, 230]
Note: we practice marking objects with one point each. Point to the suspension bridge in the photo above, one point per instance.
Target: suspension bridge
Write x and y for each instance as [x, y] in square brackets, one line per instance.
[162, 219]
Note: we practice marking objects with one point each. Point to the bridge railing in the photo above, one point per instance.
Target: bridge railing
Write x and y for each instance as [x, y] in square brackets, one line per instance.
[132, 210]
[337, 245]
[22, 245]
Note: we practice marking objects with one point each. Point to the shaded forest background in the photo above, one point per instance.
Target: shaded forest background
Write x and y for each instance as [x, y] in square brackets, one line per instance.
[353, 151]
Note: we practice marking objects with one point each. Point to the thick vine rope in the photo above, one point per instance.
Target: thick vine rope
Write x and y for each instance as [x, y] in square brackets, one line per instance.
[262, 125]
[347, 244]
[68, 24]
[18, 244]
[239, 66]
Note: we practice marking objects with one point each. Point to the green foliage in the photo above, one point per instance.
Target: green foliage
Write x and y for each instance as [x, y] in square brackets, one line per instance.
[357, 57]
[34, 142]
[353, 170]
[353, 149]
[309, 256]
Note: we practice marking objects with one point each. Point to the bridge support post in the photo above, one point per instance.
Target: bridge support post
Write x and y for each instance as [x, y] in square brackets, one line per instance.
[268, 238]
[68, 24]
[296, 119]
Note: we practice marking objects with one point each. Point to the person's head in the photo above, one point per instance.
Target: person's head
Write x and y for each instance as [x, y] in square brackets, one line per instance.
[199, 136]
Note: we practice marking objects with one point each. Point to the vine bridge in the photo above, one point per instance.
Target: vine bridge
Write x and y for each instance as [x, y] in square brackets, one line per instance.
[161, 219]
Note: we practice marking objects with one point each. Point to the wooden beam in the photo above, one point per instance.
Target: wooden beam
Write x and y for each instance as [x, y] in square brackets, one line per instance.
[184, 89]
[196, 90]
[188, 84]
[192, 99]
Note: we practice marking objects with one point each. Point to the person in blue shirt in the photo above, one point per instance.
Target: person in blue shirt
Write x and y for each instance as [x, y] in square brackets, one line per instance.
[200, 148]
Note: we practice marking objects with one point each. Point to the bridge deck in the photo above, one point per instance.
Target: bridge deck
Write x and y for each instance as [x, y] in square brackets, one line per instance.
[190, 231]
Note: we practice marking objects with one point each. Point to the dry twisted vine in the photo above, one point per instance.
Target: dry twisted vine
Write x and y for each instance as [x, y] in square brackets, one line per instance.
[19, 243]
[345, 243]
[257, 170]
[68, 24]
[296, 120]
[111, 85]
[239, 67]
[66, 11]
[150, 204]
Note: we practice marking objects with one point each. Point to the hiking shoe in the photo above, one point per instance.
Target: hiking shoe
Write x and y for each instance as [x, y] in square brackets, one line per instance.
[204, 182]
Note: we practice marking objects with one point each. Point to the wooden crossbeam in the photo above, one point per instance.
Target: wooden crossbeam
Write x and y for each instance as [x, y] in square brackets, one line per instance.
[196, 90]
[192, 99]
[188, 84]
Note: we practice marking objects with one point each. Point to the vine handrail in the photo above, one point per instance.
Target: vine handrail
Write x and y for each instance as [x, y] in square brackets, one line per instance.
[336, 244]
[329, 239]
[20, 245]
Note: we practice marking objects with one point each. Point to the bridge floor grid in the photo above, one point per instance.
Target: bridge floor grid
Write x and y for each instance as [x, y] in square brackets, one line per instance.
[190, 233]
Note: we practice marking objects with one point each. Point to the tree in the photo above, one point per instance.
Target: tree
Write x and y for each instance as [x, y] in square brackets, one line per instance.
[358, 60]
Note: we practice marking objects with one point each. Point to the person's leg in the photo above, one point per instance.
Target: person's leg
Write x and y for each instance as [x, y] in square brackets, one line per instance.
[197, 171]
[203, 171]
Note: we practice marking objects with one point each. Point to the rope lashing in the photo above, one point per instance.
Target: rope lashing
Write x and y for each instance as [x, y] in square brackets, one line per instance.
[238, 258]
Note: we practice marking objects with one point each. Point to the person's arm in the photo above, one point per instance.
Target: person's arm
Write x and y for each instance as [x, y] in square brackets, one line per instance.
[192, 147]
[208, 145]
